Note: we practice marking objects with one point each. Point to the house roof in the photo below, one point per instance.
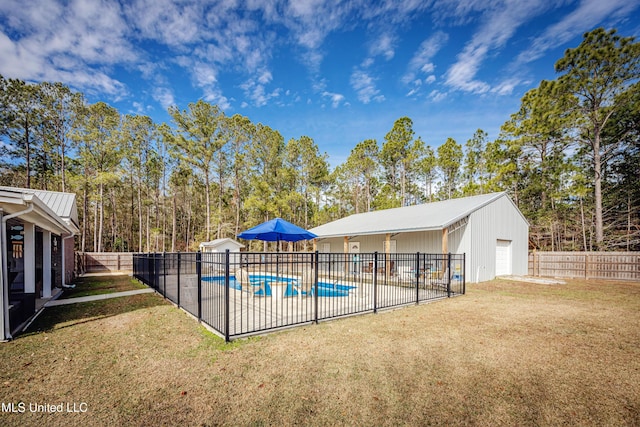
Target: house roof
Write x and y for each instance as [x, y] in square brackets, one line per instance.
[63, 204]
[53, 210]
[424, 217]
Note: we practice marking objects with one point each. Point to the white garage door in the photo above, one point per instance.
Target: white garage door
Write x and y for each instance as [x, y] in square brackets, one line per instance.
[503, 257]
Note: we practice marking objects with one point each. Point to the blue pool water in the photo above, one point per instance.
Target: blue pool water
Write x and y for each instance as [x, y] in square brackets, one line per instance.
[324, 289]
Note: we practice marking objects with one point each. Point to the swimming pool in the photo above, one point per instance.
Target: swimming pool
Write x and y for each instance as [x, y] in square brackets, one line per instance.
[325, 289]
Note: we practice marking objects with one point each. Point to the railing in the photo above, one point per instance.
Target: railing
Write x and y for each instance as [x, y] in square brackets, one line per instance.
[242, 293]
[21, 308]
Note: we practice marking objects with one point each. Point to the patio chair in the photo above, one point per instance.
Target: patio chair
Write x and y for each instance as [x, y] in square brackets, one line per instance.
[440, 280]
[368, 268]
[304, 285]
[383, 269]
[254, 287]
[406, 273]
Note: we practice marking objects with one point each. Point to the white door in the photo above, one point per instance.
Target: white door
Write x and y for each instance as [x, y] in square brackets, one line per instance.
[503, 257]
[392, 246]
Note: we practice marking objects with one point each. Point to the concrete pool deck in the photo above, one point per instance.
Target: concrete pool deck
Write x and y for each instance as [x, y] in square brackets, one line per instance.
[249, 314]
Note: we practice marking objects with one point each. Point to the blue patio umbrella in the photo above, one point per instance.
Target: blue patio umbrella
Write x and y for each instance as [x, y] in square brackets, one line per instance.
[275, 230]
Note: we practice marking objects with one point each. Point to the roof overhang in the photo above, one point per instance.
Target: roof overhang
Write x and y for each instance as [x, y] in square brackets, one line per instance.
[42, 216]
[379, 232]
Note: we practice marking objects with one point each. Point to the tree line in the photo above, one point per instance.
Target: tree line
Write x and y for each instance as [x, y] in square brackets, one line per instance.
[569, 158]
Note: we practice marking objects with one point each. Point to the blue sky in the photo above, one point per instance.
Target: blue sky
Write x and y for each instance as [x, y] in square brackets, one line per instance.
[337, 71]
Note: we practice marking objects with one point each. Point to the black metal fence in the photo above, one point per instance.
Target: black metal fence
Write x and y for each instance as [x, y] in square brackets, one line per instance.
[242, 293]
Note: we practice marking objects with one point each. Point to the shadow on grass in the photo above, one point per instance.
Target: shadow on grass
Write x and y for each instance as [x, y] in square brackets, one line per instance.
[99, 285]
[64, 316]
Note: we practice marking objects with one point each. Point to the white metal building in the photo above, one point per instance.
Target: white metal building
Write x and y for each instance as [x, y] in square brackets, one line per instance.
[221, 245]
[489, 229]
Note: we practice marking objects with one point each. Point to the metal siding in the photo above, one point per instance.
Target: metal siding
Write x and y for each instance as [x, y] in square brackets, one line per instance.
[424, 241]
[477, 239]
[498, 220]
[459, 242]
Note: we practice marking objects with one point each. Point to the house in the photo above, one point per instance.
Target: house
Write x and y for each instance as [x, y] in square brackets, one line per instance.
[37, 248]
[488, 228]
[221, 245]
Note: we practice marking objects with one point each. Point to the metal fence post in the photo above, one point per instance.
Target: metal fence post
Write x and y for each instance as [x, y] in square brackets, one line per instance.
[464, 273]
[449, 275]
[315, 286]
[417, 273]
[164, 273]
[178, 278]
[154, 272]
[199, 274]
[375, 282]
[226, 295]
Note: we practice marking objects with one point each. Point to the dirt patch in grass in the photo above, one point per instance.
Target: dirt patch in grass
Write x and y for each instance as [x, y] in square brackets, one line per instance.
[507, 353]
[97, 285]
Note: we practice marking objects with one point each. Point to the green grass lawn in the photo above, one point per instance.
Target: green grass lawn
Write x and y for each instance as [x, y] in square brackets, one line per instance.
[506, 353]
[98, 285]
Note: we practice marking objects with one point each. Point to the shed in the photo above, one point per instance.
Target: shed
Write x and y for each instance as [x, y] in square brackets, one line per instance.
[489, 229]
[221, 245]
[37, 247]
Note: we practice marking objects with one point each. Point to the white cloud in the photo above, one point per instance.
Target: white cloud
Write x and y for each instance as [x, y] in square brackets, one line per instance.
[498, 27]
[215, 96]
[365, 87]
[204, 74]
[506, 87]
[164, 96]
[265, 77]
[437, 96]
[422, 58]
[140, 108]
[412, 92]
[336, 98]
[384, 45]
[166, 21]
[391, 13]
[588, 14]
[68, 42]
[462, 74]
[309, 22]
[255, 89]
[87, 43]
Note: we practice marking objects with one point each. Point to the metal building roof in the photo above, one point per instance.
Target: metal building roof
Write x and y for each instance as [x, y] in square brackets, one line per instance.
[425, 217]
[218, 242]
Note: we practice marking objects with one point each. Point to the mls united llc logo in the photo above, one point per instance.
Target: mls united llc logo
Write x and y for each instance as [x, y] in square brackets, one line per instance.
[50, 408]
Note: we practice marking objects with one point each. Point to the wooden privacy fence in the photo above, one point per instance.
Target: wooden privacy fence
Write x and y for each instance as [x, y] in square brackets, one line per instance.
[587, 265]
[102, 262]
